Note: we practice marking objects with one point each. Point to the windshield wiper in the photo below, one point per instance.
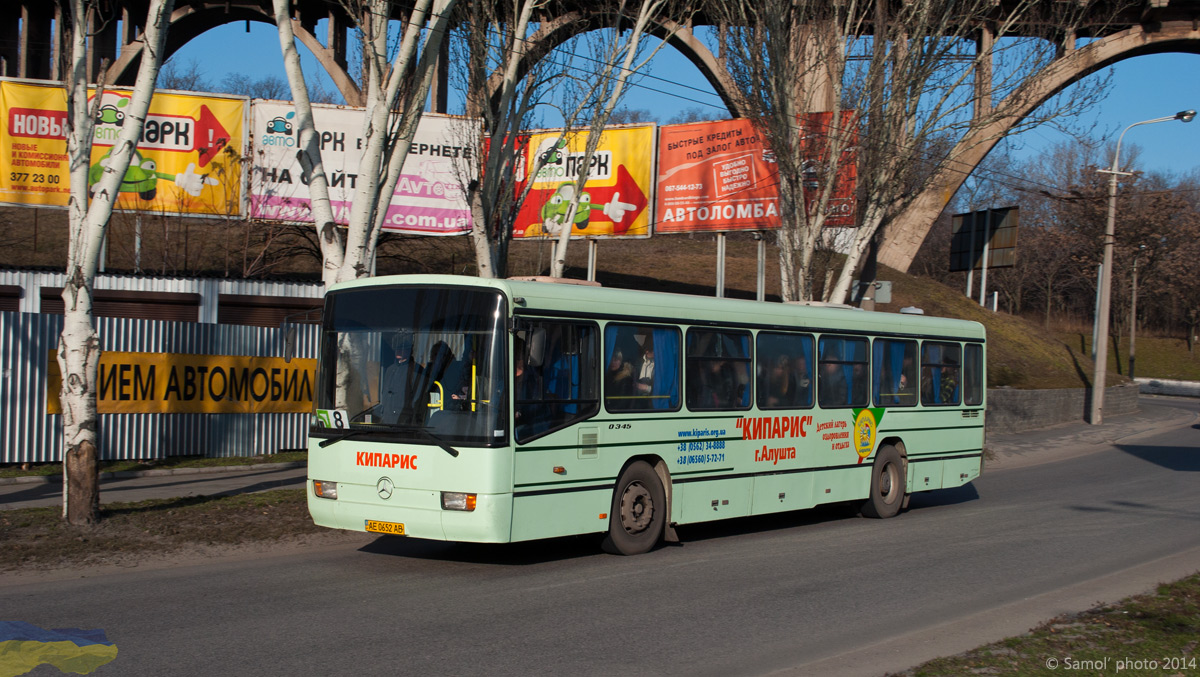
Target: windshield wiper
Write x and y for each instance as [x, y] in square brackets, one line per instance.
[338, 438]
[419, 431]
[436, 440]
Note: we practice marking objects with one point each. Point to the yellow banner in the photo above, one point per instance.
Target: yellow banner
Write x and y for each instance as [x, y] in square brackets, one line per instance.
[170, 383]
[187, 160]
[616, 199]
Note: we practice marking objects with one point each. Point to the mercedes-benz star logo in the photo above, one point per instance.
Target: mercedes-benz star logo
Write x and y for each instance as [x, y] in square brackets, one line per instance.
[385, 488]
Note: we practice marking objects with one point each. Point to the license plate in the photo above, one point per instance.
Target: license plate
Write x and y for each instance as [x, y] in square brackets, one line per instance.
[394, 528]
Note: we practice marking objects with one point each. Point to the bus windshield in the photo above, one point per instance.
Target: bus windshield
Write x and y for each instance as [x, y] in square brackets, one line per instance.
[414, 364]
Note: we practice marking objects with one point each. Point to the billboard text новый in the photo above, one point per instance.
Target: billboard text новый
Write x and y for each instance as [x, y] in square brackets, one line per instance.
[187, 160]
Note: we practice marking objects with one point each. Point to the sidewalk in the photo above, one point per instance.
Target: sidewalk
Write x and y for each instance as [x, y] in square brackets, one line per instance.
[1067, 440]
[176, 483]
[1009, 450]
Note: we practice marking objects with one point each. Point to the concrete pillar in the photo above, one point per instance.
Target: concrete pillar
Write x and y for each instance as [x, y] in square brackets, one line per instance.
[10, 39]
[984, 43]
[37, 36]
[102, 43]
[440, 89]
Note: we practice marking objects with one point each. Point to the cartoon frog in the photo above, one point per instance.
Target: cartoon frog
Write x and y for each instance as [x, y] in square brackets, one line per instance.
[554, 212]
[143, 175]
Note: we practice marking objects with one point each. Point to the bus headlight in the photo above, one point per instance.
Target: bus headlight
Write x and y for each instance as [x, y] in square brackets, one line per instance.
[452, 500]
[325, 489]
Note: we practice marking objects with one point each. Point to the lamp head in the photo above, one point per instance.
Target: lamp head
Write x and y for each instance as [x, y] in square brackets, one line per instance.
[1185, 115]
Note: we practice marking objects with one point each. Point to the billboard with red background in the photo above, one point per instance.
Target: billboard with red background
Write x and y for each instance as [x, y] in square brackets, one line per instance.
[721, 176]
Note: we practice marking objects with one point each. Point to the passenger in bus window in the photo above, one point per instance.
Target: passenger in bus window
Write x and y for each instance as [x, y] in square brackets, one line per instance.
[949, 384]
[859, 384]
[719, 386]
[527, 391]
[457, 378]
[832, 385]
[645, 368]
[782, 389]
[906, 384]
[402, 386]
[618, 381]
[803, 381]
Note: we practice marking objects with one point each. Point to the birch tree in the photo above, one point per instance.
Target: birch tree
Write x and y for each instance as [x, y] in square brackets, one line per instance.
[396, 88]
[79, 345]
[496, 42]
[619, 57]
[914, 79]
[583, 80]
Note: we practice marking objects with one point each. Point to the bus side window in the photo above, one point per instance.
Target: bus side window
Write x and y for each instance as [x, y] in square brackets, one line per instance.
[895, 375]
[641, 368]
[718, 370]
[784, 371]
[843, 380]
[555, 379]
[973, 375]
[941, 373]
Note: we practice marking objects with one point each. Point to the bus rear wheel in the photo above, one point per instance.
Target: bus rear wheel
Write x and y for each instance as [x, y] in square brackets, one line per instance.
[887, 484]
[638, 513]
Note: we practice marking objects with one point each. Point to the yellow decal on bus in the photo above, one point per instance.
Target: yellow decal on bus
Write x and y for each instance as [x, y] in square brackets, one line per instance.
[864, 434]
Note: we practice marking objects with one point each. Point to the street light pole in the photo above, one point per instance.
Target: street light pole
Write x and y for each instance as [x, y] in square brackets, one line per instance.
[1133, 314]
[1100, 375]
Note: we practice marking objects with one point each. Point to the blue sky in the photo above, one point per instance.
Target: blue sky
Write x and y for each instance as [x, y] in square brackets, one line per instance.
[1142, 88]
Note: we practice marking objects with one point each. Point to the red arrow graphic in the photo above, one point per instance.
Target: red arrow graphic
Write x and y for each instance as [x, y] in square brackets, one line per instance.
[211, 136]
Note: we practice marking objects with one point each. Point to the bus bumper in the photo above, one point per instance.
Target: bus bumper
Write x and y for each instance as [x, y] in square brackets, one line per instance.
[420, 511]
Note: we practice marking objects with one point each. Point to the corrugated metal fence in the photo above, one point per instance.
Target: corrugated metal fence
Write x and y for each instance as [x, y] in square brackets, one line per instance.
[29, 434]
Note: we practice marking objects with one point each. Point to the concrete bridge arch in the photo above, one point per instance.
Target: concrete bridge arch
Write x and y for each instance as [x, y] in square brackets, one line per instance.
[908, 231]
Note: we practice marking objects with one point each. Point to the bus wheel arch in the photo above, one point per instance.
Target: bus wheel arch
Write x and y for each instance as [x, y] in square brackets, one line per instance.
[888, 484]
[899, 444]
[640, 510]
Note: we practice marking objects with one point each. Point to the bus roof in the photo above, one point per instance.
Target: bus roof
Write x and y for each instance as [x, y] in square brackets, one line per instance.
[633, 305]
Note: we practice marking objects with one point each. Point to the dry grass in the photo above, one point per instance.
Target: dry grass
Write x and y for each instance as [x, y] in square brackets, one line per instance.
[1153, 634]
[37, 538]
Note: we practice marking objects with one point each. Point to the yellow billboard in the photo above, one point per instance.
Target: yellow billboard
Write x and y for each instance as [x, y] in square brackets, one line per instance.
[616, 198]
[173, 383]
[187, 159]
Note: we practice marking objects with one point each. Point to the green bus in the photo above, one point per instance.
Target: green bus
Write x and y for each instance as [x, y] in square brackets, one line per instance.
[463, 409]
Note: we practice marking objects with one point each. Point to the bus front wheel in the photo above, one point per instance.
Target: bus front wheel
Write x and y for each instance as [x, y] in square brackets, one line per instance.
[887, 484]
[638, 513]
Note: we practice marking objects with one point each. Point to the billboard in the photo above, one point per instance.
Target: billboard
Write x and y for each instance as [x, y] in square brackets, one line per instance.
[814, 135]
[429, 197]
[172, 383]
[619, 188]
[722, 176]
[187, 159]
[995, 227]
[715, 176]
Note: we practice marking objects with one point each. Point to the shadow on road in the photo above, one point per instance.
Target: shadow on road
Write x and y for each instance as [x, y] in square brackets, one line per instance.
[504, 554]
[571, 547]
[1181, 459]
[1132, 507]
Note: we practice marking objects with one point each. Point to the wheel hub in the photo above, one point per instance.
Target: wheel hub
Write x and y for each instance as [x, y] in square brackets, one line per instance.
[637, 508]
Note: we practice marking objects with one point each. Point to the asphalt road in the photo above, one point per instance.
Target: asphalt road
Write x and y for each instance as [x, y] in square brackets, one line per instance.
[816, 592]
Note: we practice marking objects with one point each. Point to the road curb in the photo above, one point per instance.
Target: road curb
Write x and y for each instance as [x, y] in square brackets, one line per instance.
[161, 472]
